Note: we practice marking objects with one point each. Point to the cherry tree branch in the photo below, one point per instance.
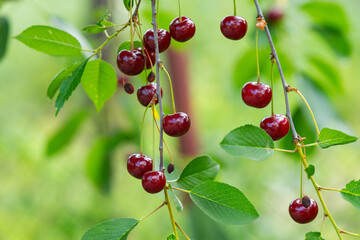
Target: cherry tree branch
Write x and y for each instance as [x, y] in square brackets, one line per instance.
[296, 137]
[158, 88]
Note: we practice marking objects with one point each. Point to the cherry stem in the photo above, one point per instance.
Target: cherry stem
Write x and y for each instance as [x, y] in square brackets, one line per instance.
[323, 224]
[171, 87]
[146, 54]
[179, 11]
[316, 186]
[186, 236]
[308, 106]
[173, 223]
[147, 215]
[272, 85]
[234, 7]
[172, 161]
[301, 181]
[142, 130]
[131, 27]
[158, 88]
[296, 137]
[257, 55]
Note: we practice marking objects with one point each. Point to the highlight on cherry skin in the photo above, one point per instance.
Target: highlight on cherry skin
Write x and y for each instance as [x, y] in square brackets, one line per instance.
[233, 27]
[303, 214]
[153, 181]
[164, 39]
[138, 164]
[277, 126]
[256, 95]
[183, 30]
[177, 124]
[146, 93]
[131, 62]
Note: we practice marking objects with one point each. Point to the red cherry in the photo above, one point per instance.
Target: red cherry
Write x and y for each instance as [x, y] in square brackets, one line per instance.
[182, 30]
[176, 124]
[276, 126]
[233, 27]
[129, 88]
[274, 15]
[256, 94]
[164, 40]
[301, 214]
[131, 62]
[154, 181]
[151, 76]
[149, 56]
[138, 164]
[145, 94]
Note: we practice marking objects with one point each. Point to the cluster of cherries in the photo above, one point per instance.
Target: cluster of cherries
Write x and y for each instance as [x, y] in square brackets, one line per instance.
[259, 95]
[133, 62]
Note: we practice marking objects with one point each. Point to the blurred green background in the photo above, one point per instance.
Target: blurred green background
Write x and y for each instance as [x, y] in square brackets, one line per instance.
[61, 175]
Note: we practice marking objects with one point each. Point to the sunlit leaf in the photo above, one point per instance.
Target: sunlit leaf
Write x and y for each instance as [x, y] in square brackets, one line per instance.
[50, 40]
[351, 193]
[313, 236]
[178, 204]
[171, 237]
[310, 171]
[223, 203]
[331, 137]
[115, 229]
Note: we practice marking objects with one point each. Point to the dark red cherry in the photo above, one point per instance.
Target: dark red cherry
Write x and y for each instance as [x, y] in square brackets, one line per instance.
[274, 15]
[154, 181]
[145, 94]
[233, 27]
[151, 76]
[276, 126]
[164, 39]
[138, 164]
[301, 214]
[129, 88]
[131, 62]
[176, 124]
[256, 94]
[149, 57]
[183, 30]
[170, 168]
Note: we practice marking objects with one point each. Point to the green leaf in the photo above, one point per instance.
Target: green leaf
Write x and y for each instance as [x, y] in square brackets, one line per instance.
[127, 45]
[115, 229]
[176, 200]
[352, 193]
[63, 136]
[313, 236]
[171, 237]
[4, 34]
[129, 4]
[99, 82]
[59, 78]
[199, 170]
[50, 40]
[248, 142]
[310, 171]
[69, 85]
[331, 137]
[223, 203]
[106, 16]
[94, 29]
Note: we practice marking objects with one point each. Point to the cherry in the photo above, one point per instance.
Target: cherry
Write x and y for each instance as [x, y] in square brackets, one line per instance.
[145, 94]
[176, 124]
[149, 56]
[138, 164]
[170, 168]
[233, 27]
[256, 94]
[301, 214]
[182, 30]
[274, 15]
[164, 39]
[131, 62]
[151, 76]
[129, 88]
[153, 181]
[277, 126]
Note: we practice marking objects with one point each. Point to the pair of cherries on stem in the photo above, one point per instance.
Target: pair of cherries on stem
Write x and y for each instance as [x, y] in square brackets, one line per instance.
[259, 95]
[174, 125]
[141, 167]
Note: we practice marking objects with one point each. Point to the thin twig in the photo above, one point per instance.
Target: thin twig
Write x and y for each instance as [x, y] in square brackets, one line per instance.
[296, 137]
[187, 237]
[152, 211]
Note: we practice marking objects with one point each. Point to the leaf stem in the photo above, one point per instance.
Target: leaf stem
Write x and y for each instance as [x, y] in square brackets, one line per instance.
[309, 145]
[329, 189]
[171, 87]
[186, 236]
[147, 215]
[349, 233]
[284, 150]
[179, 189]
[170, 210]
[316, 186]
[158, 88]
[296, 137]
